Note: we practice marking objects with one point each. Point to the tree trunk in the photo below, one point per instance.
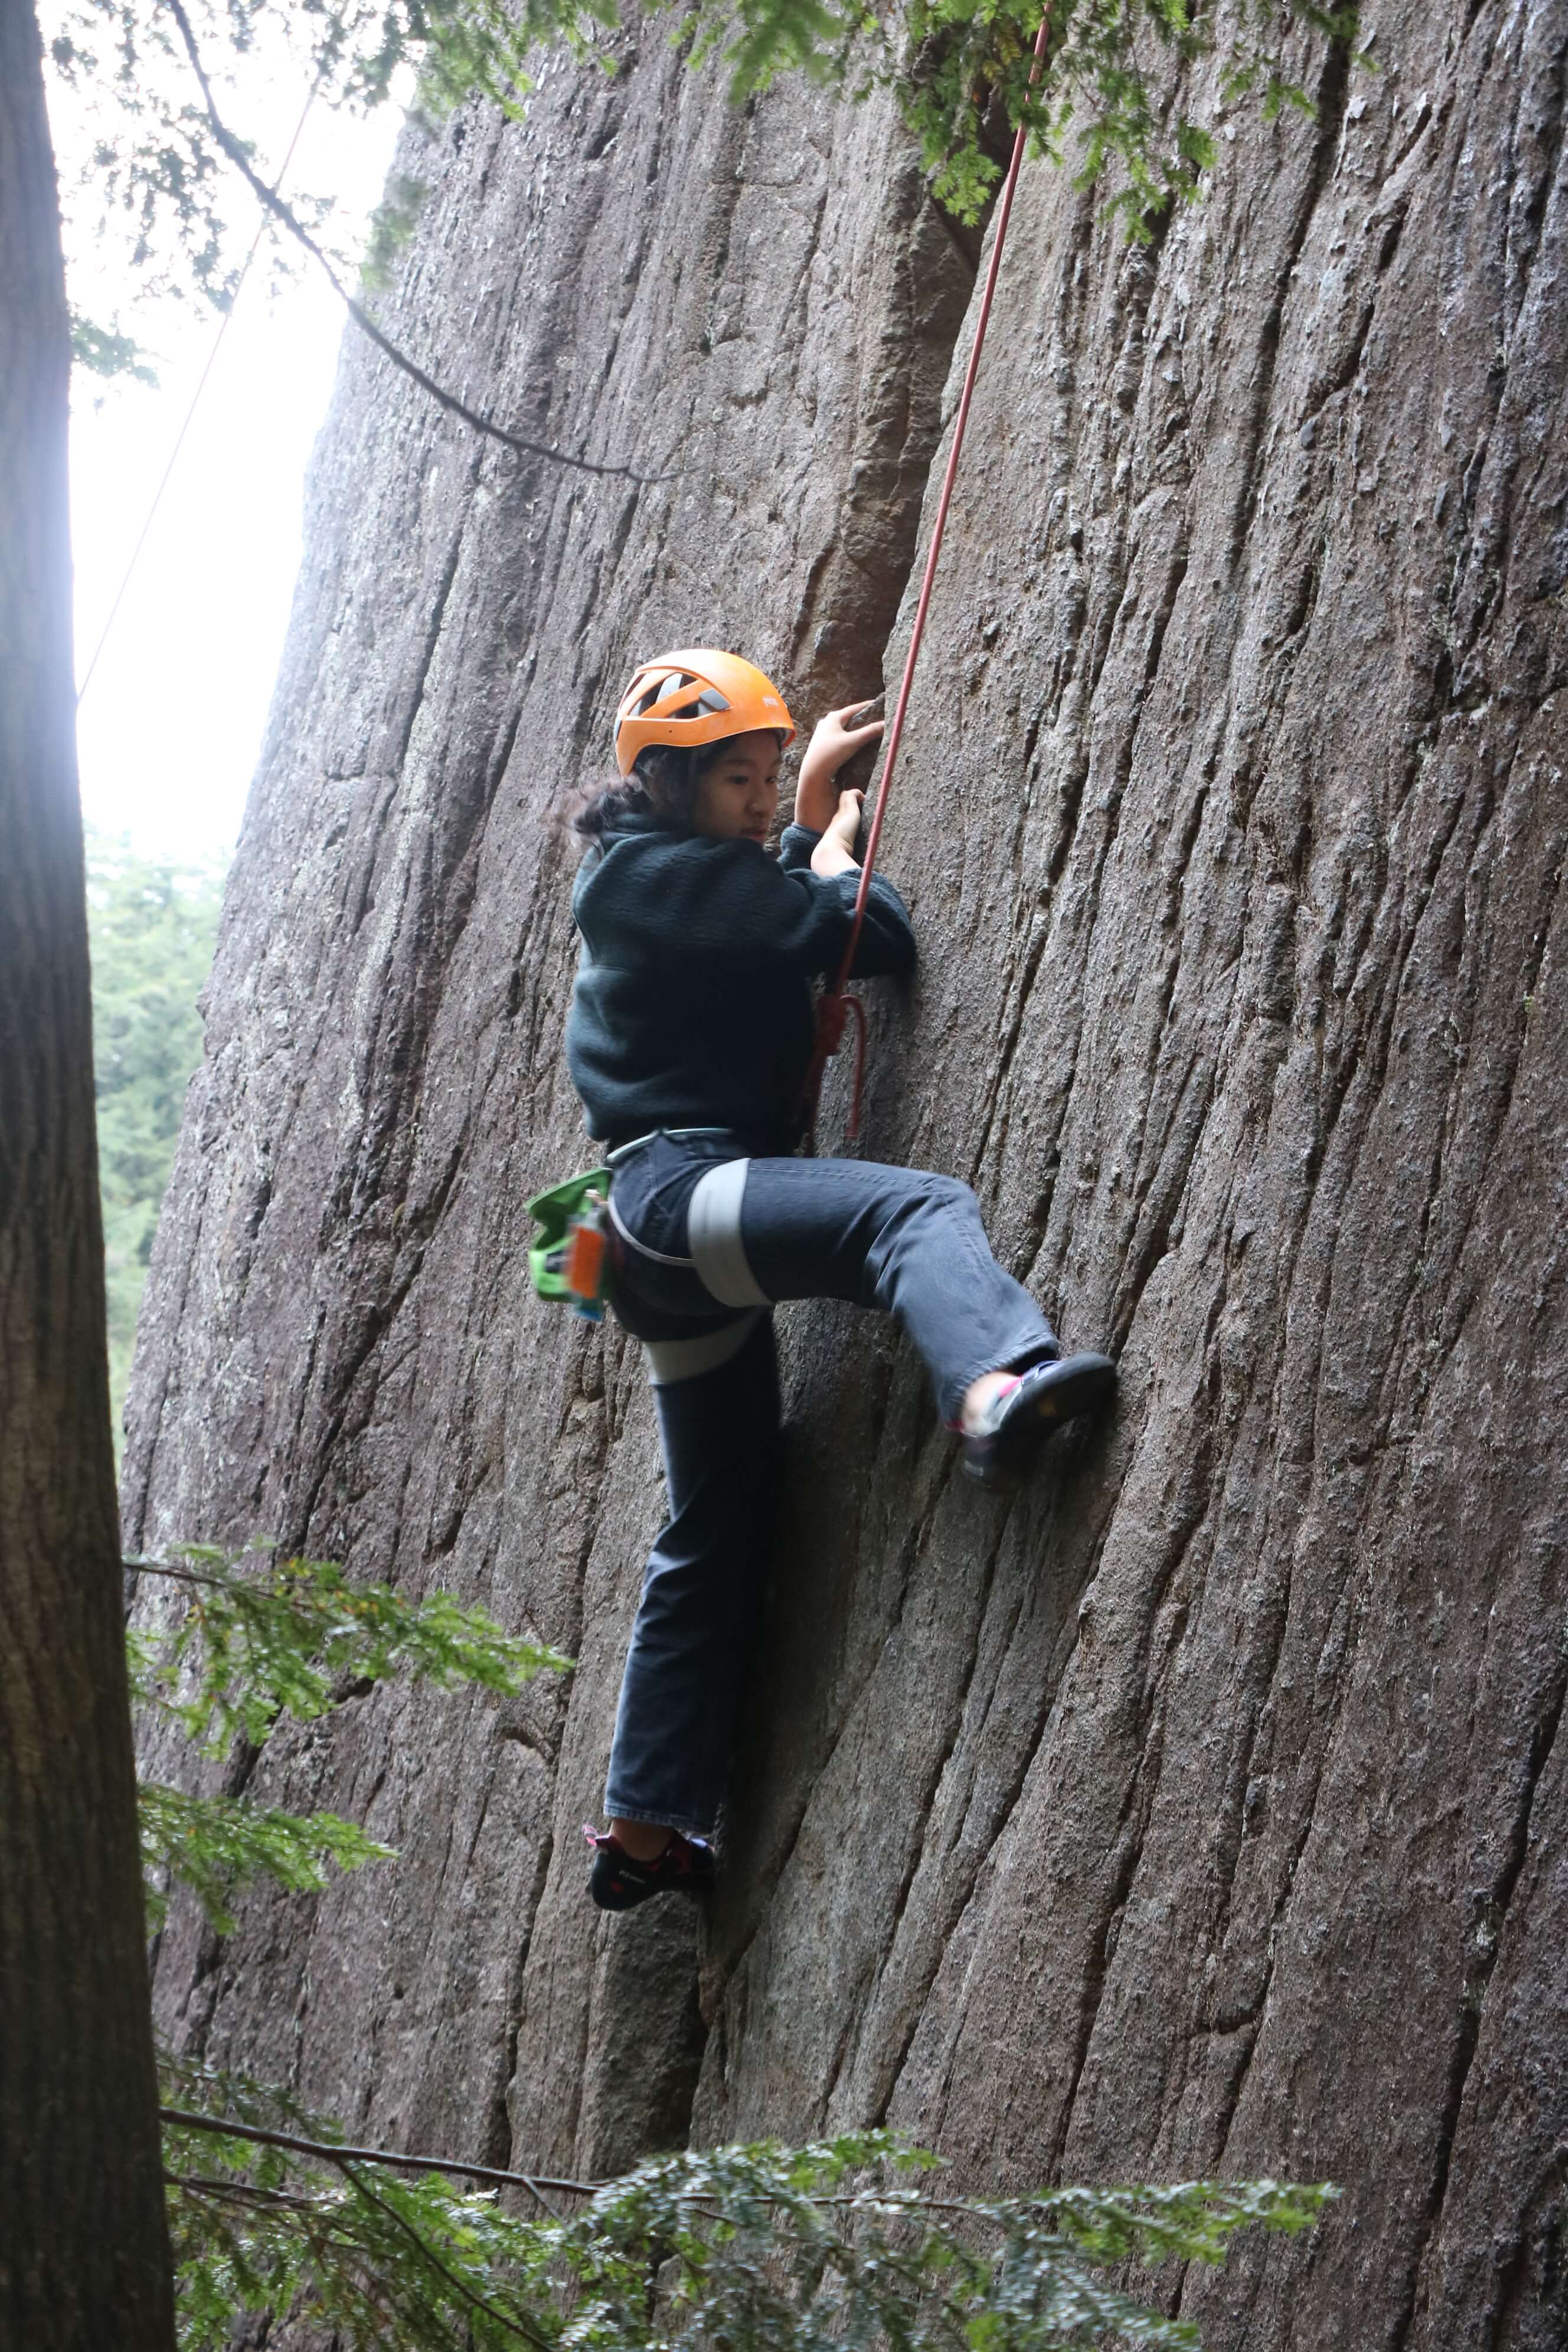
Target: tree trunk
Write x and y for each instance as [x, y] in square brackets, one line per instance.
[83, 2247]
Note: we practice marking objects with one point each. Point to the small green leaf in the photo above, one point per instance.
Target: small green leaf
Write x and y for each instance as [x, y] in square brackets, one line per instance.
[105, 352]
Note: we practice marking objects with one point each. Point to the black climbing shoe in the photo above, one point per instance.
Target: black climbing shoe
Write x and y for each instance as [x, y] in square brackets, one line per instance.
[618, 1882]
[1020, 1420]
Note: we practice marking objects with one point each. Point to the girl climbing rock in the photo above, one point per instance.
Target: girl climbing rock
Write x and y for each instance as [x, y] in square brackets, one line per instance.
[688, 1039]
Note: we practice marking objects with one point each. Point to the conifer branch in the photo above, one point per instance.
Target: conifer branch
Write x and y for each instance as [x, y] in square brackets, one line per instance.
[465, 2293]
[179, 1575]
[332, 2152]
[241, 2193]
[288, 220]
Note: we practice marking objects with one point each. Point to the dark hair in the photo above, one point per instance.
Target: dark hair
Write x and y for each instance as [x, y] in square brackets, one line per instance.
[663, 784]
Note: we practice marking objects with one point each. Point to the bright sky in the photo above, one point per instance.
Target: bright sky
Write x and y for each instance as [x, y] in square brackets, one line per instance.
[169, 728]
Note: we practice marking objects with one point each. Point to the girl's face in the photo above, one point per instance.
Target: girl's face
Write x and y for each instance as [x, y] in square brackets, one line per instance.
[737, 797]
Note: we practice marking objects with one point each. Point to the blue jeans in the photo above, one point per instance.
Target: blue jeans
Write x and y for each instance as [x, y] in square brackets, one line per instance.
[708, 1240]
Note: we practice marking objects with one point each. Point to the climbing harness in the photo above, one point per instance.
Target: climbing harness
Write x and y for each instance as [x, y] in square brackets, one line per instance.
[573, 1255]
[836, 1002]
[569, 1256]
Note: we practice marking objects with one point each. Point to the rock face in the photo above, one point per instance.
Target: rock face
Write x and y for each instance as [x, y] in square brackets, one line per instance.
[1202, 1809]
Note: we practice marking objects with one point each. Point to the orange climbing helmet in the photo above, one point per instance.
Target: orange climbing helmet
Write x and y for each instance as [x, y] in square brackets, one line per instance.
[697, 696]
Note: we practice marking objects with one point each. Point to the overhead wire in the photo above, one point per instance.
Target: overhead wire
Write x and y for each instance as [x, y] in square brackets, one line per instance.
[194, 403]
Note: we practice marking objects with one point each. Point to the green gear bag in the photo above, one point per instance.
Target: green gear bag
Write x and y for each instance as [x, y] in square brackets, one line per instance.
[559, 1214]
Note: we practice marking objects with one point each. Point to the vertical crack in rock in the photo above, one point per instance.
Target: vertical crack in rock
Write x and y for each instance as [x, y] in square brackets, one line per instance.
[1489, 1913]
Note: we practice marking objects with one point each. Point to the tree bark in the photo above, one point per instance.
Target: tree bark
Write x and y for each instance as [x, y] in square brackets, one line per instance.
[84, 2251]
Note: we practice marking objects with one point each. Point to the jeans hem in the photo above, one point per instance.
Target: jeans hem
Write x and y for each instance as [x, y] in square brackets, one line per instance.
[687, 1824]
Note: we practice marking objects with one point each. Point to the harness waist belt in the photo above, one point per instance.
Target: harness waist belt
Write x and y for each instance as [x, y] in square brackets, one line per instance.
[619, 1151]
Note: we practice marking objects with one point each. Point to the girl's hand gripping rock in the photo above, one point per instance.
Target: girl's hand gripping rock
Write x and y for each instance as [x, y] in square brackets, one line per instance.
[832, 743]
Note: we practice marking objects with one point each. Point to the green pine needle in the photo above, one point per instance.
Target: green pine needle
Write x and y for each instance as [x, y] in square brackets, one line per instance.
[850, 2241]
[237, 1655]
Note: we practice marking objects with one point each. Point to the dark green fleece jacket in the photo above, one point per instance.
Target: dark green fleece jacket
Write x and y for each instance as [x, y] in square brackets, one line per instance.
[694, 1002]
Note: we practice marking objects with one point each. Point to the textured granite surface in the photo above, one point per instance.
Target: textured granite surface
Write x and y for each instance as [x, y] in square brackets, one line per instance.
[1202, 1809]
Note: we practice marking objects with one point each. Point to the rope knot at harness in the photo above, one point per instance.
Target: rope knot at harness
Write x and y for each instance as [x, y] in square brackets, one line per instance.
[834, 1007]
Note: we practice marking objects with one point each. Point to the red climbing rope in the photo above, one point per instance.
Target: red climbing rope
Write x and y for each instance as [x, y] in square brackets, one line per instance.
[836, 1002]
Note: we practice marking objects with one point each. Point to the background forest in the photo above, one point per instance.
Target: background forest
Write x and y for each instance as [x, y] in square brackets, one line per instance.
[153, 923]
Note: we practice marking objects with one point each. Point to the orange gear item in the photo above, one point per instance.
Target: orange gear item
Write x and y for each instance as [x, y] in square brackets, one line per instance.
[697, 696]
[586, 1261]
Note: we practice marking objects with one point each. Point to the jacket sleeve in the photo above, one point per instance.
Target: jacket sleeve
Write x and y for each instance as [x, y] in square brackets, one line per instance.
[796, 846]
[887, 936]
[730, 905]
